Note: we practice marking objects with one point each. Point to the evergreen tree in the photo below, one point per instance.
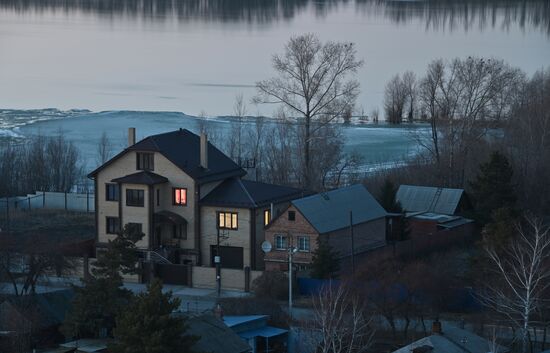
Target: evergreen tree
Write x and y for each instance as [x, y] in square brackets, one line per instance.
[120, 256]
[102, 297]
[387, 197]
[325, 262]
[501, 229]
[493, 188]
[95, 307]
[148, 325]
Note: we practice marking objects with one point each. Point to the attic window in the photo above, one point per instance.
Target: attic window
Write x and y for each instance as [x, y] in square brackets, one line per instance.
[291, 215]
[145, 161]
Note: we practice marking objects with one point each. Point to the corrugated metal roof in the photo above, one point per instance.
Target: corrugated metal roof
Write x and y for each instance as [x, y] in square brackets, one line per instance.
[429, 199]
[215, 336]
[234, 320]
[330, 211]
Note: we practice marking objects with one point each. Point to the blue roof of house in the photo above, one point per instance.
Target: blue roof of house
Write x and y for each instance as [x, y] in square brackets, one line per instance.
[330, 211]
[231, 321]
[267, 331]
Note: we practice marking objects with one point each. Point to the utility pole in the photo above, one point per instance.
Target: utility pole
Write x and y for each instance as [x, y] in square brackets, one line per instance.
[291, 250]
[217, 260]
[352, 242]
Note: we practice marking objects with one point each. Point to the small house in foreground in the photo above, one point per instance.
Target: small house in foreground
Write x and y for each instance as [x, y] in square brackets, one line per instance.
[452, 340]
[345, 216]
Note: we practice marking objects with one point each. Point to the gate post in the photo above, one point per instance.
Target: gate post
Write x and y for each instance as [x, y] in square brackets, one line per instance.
[190, 275]
[247, 279]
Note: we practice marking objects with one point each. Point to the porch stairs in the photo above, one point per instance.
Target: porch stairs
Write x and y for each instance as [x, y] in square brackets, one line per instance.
[153, 256]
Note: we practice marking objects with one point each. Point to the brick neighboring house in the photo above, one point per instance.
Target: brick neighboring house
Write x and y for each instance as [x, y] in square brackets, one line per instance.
[326, 215]
[179, 190]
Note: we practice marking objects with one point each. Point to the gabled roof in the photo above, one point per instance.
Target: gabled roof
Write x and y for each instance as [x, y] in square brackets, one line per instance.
[182, 147]
[143, 177]
[236, 192]
[429, 199]
[215, 336]
[330, 211]
[452, 340]
[44, 309]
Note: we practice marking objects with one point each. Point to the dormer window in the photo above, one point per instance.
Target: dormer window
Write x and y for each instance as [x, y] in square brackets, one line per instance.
[145, 161]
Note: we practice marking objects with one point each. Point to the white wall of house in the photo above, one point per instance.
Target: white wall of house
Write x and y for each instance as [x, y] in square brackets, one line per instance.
[126, 165]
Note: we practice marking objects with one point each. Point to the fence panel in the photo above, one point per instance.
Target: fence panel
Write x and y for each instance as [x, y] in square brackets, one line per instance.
[78, 202]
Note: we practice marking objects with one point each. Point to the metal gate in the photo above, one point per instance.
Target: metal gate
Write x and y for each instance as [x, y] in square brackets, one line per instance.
[231, 256]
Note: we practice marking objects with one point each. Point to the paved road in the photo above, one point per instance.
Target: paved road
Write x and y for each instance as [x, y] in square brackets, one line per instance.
[192, 299]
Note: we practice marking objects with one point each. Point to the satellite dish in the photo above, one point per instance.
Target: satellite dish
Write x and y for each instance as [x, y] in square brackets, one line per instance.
[266, 246]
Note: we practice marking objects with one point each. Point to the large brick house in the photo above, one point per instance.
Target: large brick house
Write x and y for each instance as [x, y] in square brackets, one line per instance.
[184, 194]
[333, 216]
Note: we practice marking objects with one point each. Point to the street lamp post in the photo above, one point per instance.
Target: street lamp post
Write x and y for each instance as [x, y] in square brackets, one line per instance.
[291, 251]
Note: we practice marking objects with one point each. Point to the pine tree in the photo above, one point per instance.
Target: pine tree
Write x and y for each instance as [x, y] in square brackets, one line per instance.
[102, 297]
[120, 256]
[95, 307]
[387, 197]
[325, 262]
[148, 325]
[493, 188]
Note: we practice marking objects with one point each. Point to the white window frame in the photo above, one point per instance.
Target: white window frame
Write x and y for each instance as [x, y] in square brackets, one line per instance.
[284, 240]
[307, 241]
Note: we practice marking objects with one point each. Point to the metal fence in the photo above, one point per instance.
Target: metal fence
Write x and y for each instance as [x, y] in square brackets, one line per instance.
[68, 201]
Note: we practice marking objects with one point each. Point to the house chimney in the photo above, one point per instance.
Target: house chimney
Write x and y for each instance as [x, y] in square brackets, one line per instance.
[436, 328]
[131, 136]
[204, 150]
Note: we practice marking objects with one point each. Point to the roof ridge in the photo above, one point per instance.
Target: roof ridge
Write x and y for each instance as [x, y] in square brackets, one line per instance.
[246, 192]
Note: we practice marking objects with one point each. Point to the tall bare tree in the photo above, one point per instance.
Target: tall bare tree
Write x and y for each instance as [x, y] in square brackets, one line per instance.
[522, 274]
[410, 87]
[104, 149]
[395, 98]
[464, 99]
[313, 84]
[341, 322]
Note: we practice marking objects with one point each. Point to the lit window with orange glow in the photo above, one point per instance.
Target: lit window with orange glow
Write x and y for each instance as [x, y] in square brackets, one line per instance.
[179, 196]
[267, 217]
[227, 220]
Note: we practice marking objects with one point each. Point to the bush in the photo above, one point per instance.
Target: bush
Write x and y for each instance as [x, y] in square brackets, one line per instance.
[272, 285]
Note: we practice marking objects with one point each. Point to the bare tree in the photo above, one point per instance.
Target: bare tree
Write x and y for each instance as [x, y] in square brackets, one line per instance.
[375, 114]
[464, 99]
[341, 323]
[522, 273]
[395, 97]
[409, 85]
[41, 163]
[312, 84]
[235, 140]
[104, 149]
